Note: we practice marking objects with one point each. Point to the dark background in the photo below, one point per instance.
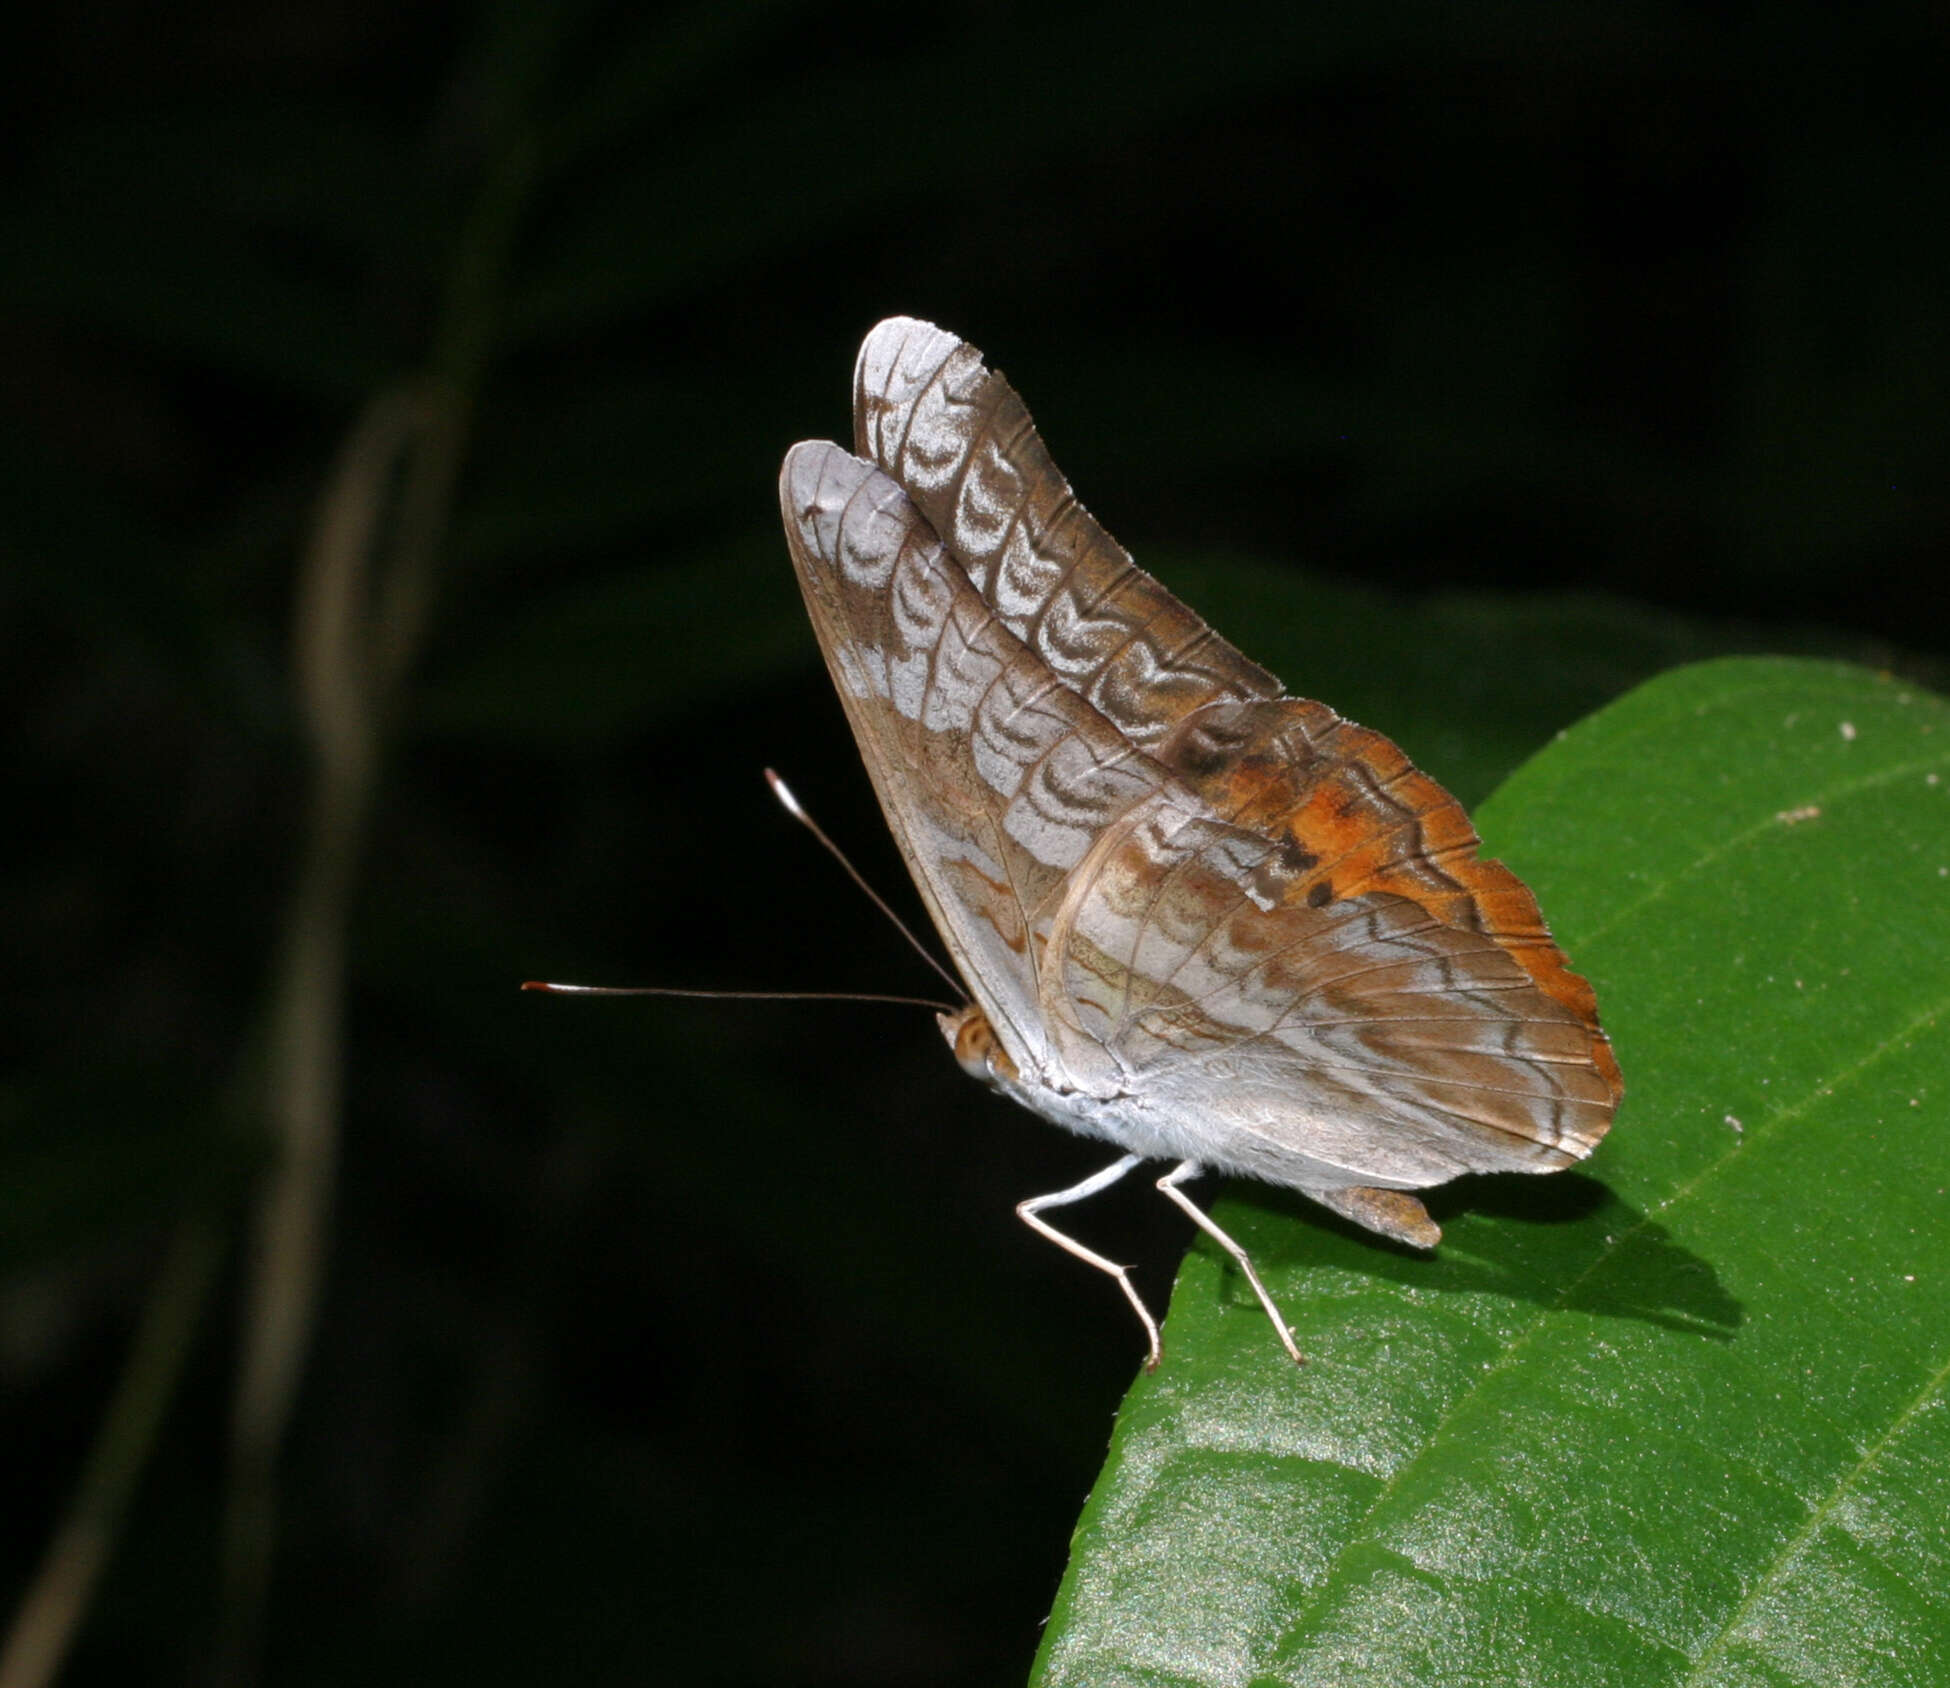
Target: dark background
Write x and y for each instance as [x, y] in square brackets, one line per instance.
[697, 1342]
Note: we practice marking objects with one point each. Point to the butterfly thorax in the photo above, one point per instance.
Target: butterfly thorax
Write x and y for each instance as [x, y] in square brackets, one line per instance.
[1122, 1114]
[1113, 1117]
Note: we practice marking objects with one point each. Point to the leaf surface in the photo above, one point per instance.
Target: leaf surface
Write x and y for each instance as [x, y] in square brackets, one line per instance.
[1675, 1419]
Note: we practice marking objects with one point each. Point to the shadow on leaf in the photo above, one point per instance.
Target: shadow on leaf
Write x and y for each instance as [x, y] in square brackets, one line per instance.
[1565, 1242]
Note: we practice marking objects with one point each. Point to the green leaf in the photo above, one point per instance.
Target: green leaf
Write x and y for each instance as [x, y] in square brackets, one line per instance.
[1681, 1419]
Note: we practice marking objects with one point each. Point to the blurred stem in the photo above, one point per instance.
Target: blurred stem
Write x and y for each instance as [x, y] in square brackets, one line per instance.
[365, 591]
[51, 1611]
[283, 1270]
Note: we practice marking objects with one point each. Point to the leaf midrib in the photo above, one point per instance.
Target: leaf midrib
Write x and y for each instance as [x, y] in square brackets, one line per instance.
[1796, 1544]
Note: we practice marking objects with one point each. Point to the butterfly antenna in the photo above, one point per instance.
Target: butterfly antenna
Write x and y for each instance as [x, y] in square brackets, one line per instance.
[736, 996]
[783, 793]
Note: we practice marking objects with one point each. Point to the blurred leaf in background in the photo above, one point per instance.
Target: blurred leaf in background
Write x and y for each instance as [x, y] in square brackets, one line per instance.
[1465, 367]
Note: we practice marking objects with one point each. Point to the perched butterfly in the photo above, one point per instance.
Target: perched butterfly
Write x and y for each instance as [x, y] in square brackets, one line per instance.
[1195, 917]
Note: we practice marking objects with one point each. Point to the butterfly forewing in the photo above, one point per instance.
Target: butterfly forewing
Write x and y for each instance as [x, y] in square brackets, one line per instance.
[995, 779]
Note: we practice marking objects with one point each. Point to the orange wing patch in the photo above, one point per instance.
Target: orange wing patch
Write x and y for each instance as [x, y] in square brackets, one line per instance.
[1353, 816]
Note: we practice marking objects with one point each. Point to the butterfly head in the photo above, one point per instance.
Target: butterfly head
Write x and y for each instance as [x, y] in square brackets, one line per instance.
[976, 1046]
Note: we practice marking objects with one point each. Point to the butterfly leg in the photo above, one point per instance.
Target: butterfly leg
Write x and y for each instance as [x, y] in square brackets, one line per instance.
[1169, 1187]
[1027, 1212]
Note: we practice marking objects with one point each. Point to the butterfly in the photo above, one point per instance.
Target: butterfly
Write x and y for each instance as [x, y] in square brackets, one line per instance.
[1195, 917]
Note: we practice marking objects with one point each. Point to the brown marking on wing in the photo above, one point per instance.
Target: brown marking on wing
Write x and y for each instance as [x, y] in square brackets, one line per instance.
[993, 900]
